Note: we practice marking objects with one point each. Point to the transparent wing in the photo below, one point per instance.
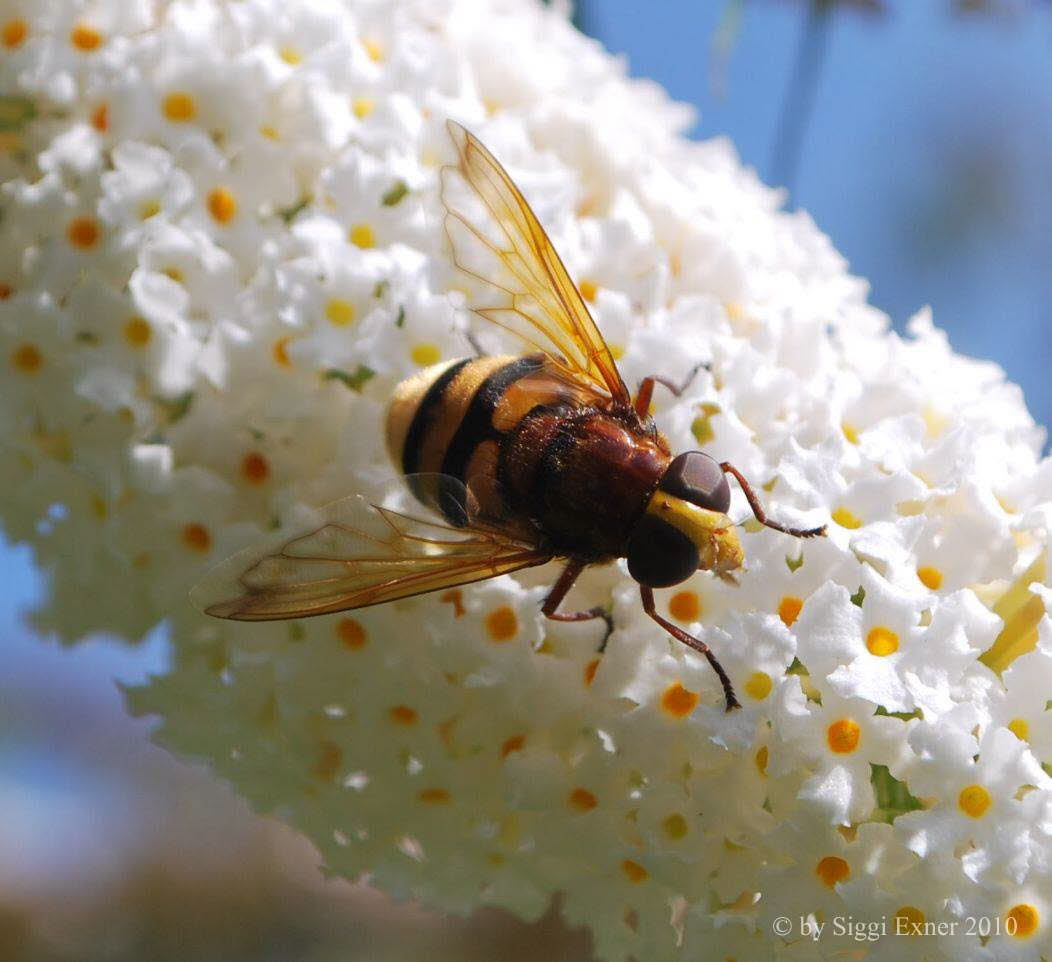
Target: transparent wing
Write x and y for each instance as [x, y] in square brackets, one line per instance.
[497, 239]
[355, 553]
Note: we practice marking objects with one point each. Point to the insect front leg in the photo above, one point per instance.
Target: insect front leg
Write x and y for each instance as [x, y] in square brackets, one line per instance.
[647, 595]
[561, 589]
[761, 515]
[646, 388]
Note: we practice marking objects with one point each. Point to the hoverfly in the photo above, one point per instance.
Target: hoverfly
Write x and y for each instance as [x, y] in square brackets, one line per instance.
[525, 459]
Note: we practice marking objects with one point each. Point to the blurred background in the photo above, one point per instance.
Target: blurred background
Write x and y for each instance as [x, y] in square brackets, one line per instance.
[917, 133]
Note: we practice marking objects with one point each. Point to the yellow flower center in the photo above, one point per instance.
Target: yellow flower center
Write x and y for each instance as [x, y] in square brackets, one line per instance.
[588, 290]
[280, 352]
[974, 801]
[882, 641]
[843, 736]
[340, 313]
[137, 332]
[179, 108]
[1022, 921]
[930, 577]
[758, 685]
[362, 107]
[846, 519]
[361, 235]
[425, 355]
[222, 205]
[675, 826]
[789, 610]
[701, 427]
[762, 757]
[1020, 728]
[909, 921]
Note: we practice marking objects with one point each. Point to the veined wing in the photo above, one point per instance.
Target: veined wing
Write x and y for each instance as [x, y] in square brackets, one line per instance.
[497, 239]
[354, 554]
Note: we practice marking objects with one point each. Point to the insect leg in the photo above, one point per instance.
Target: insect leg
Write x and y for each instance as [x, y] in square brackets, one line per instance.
[559, 591]
[761, 515]
[647, 595]
[646, 388]
[474, 342]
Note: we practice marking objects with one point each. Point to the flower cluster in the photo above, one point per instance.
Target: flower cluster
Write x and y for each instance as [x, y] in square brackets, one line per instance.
[222, 248]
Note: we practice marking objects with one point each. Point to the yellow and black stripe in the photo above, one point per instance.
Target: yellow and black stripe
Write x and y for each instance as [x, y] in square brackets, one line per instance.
[452, 418]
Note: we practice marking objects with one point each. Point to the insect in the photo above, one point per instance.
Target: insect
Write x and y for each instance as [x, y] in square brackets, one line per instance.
[526, 459]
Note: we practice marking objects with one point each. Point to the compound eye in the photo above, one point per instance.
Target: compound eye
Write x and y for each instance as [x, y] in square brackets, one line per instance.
[697, 478]
[660, 555]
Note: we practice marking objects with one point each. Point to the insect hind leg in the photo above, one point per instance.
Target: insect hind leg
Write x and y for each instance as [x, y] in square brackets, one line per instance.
[560, 590]
[646, 388]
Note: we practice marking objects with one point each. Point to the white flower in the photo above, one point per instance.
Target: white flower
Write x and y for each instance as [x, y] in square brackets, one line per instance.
[222, 248]
[982, 808]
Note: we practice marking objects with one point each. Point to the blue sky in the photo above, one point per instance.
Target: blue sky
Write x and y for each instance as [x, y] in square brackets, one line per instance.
[928, 160]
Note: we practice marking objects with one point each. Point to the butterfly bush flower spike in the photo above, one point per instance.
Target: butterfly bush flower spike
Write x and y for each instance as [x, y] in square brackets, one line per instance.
[222, 248]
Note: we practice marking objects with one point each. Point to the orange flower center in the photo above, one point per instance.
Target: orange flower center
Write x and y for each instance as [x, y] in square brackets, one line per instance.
[196, 537]
[685, 606]
[832, 869]
[843, 736]
[351, 633]
[82, 232]
[502, 624]
[85, 38]
[678, 702]
[13, 33]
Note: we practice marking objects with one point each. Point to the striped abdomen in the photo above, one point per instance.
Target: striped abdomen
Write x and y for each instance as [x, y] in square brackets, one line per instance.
[538, 455]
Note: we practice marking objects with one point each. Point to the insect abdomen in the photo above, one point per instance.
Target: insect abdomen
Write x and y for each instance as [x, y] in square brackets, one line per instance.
[454, 418]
